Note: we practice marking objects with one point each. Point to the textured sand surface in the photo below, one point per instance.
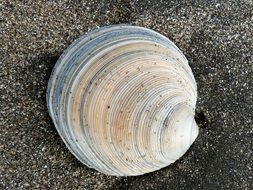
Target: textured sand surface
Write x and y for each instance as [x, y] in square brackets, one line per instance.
[215, 36]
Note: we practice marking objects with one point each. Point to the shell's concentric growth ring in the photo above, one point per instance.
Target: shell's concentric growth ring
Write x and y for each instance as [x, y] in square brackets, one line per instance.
[123, 100]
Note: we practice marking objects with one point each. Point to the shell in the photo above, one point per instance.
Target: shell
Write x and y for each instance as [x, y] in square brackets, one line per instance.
[123, 100]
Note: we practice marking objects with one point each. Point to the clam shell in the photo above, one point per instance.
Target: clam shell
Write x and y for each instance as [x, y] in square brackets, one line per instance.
[123, 100]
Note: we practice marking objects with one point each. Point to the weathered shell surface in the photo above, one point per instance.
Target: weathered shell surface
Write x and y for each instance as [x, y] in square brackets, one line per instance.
[123, 99]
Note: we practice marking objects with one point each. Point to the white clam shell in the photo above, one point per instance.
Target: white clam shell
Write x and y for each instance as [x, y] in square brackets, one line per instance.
[123, 100]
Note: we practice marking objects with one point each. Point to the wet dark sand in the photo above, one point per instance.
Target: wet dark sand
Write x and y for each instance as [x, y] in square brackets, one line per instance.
[217, 39]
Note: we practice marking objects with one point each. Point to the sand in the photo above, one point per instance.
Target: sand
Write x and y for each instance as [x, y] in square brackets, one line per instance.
[215, 36]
